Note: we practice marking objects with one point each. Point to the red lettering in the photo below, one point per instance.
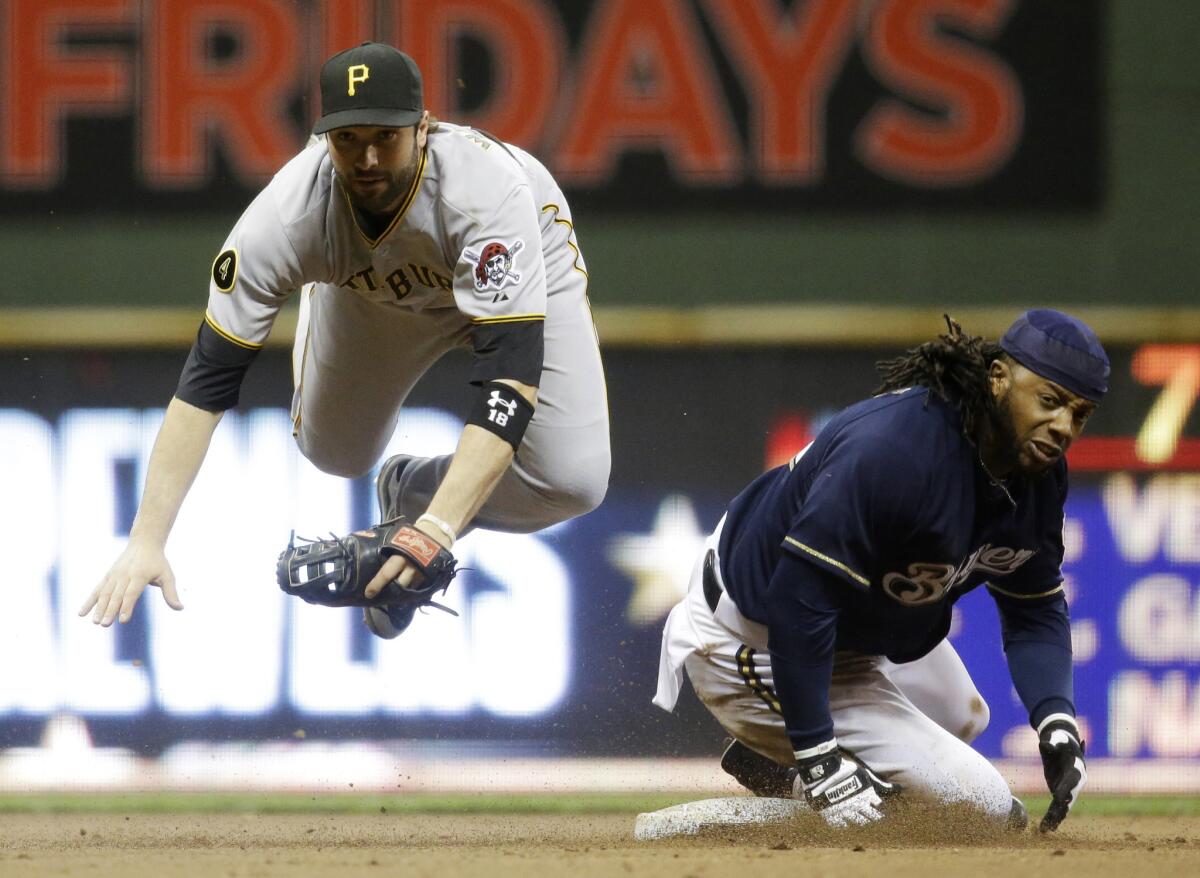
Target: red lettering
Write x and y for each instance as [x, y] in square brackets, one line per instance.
[526, 45]
[343, 25]
[42, 81]
[791, 61]
[978, 97]
[192, 99]
[646, 81]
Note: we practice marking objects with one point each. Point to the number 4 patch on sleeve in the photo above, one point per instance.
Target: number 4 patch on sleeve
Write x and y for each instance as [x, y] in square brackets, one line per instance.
[224, 270]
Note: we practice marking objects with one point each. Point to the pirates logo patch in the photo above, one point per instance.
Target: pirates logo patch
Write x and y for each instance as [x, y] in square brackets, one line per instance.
[494, 265]
[224, 270]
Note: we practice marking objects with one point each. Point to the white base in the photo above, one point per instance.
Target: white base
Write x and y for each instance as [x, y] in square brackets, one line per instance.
[691, 817]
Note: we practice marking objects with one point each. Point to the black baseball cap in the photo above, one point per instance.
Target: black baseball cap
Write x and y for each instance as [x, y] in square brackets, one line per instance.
[371, 84]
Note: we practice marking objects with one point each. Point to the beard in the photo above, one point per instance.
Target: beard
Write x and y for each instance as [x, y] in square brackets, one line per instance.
[388, 196]
[1003, 436]
[1009, 447]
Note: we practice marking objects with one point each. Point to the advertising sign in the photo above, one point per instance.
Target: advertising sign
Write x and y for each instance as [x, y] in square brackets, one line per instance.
[635, 105]
[555, 647]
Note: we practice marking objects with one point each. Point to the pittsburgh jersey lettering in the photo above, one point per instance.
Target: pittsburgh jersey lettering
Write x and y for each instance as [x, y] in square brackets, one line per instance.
[398, 280]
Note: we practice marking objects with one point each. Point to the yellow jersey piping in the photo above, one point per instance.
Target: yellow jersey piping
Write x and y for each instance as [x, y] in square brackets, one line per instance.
[1026, 597]
[229, 336]
[510, 318]
[298, 380]
[586, 281]
[570, 231]
[409, 198]
[830, 561]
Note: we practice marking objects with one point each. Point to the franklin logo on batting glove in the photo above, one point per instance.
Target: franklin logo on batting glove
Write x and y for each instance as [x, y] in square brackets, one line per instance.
[842, 790]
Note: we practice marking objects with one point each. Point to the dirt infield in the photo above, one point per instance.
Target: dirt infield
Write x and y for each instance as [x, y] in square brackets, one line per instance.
[580, 846]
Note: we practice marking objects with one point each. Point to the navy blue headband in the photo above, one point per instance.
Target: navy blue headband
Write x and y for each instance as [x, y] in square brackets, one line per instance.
[1059, 347]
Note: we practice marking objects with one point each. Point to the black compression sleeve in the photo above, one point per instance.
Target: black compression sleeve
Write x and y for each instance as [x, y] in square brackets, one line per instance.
[212, 376]
[508, 350]
[802, 611]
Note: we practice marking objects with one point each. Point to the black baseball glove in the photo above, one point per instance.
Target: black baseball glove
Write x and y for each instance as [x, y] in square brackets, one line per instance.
[335, 572]
[1062, 762]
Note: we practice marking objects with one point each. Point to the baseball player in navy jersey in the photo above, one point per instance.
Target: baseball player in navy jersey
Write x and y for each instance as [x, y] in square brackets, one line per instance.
[404, 238]
[815, 624]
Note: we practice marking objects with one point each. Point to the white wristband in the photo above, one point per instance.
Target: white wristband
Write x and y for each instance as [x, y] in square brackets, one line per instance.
[819, 750]
[440, 525]
[1059, 717]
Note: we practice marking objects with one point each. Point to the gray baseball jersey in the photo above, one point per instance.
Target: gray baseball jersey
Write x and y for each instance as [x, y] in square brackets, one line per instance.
[466, 236]
[482, 253]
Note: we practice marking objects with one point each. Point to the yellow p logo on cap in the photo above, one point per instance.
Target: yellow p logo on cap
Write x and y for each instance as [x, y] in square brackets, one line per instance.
[356, 74]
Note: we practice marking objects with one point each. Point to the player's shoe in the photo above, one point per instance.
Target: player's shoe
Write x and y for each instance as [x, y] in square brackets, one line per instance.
[388, 622]
[385, 486]
[757, 773]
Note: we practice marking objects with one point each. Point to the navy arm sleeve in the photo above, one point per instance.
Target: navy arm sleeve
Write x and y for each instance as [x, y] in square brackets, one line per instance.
[212, 376]
[1037, 643]
[803, 603]
[1034, 619]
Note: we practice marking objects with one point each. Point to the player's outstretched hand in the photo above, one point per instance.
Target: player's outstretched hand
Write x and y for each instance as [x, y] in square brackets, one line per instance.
[142, 563]
[843, 791]
[1062, 763]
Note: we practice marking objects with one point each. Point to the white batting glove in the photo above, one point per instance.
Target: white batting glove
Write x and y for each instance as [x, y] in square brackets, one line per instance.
[840, 789]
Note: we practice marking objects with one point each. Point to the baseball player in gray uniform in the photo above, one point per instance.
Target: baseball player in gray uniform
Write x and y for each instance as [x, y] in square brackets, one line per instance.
[404, 238]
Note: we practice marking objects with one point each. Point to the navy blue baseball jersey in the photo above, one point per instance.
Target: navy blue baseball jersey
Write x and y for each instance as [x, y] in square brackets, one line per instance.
[868, 537]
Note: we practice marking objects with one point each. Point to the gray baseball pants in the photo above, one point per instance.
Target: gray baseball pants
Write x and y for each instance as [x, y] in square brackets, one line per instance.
[355, 362]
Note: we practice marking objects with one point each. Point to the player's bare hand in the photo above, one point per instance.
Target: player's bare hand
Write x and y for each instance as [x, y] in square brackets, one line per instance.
[141, 564]
[399, 569]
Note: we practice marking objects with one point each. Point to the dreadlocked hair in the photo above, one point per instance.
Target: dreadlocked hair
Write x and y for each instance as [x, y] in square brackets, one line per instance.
[954, 366]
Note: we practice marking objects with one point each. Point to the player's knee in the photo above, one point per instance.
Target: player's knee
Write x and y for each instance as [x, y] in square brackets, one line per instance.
[582, 489]
[342, 462]
[564, 496]
[582, 497]
[957, 776]
[565, 502]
